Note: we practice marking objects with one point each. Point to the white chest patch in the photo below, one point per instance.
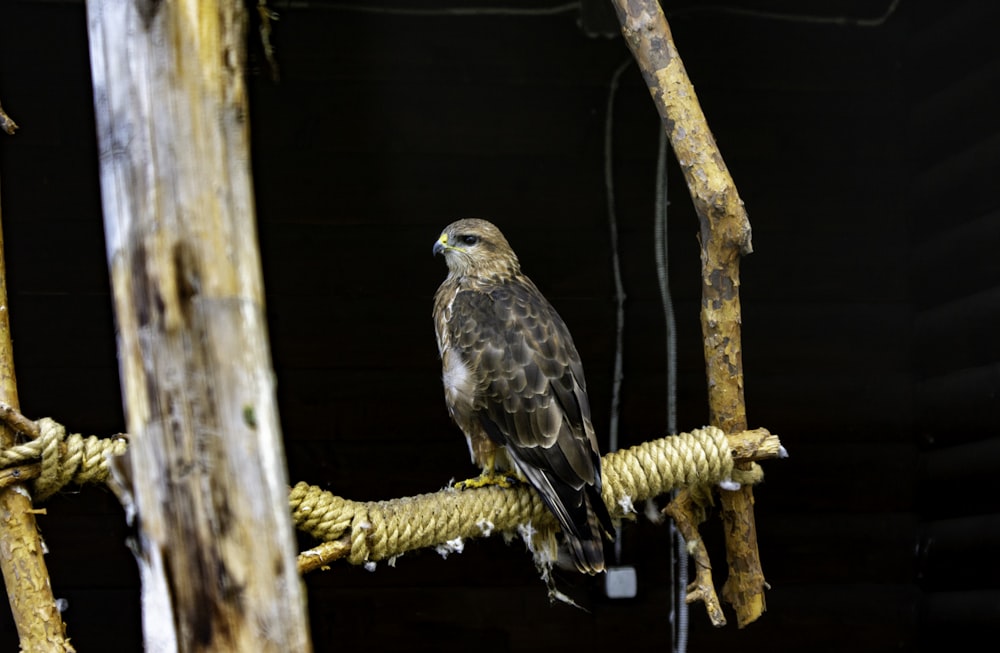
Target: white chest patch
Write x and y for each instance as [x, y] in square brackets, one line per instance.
[458, 383]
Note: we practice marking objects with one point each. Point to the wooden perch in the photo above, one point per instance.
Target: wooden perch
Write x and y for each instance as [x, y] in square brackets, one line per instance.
[382, 529]
[365, 532]
[724, 236]
[39, 623]
[205, 470]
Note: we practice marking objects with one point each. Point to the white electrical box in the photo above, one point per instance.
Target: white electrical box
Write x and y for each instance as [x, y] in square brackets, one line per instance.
[621, 583]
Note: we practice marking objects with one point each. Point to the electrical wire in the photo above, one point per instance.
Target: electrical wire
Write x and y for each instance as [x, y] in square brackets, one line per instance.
[663, 276]
[568, 7]
[609, 184]
[679, 608]
[572, 7]
[841, 21]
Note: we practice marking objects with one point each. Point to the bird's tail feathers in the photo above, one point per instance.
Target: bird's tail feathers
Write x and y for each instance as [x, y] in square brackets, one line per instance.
[586, 537]
[582, 515]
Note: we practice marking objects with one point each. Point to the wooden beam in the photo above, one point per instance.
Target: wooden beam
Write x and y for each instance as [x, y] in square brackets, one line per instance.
[205, 470]
[725, 236]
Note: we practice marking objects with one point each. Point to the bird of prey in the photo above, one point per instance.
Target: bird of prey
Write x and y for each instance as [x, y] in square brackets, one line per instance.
[514, 384]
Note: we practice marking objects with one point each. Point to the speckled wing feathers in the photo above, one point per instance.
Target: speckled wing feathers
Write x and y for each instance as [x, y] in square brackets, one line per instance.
[532, 399]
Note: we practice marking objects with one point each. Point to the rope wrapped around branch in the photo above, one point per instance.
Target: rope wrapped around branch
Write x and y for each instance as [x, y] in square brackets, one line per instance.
[377, 530]
[65, 458]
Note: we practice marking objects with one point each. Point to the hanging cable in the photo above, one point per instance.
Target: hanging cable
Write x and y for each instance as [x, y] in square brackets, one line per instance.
[841, 21]
[679, 611]
[616, 381]
[663, 276]
[615, 259]
[368, 8]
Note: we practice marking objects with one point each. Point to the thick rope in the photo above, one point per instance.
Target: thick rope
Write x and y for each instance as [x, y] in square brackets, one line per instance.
[382, 529]
[379, 530]
[65, 458]
[659, 466]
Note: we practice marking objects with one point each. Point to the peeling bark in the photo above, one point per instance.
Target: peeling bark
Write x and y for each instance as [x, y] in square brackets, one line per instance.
[724, 235]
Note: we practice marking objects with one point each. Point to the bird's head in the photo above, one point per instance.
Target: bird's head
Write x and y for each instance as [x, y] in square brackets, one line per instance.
[473, 247]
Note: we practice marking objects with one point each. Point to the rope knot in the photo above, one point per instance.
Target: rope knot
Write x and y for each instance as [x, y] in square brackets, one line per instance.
[72, 458]
[64, 458]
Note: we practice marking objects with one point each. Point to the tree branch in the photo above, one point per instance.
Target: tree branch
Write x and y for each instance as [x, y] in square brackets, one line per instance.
[39, 624]
[725, 235]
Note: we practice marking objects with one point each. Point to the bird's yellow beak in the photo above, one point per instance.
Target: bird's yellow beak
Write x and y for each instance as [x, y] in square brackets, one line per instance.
[441, 244]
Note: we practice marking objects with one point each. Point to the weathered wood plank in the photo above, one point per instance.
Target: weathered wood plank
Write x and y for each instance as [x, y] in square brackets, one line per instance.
[205, 471]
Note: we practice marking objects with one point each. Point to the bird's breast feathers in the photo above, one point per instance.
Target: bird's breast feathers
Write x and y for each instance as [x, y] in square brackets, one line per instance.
[459, 386]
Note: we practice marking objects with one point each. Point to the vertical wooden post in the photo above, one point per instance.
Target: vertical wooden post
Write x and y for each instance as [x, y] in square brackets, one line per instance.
[205, 472]
[725, 236]
[39, 624]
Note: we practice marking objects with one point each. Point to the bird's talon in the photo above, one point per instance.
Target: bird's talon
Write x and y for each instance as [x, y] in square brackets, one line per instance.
[484, 480]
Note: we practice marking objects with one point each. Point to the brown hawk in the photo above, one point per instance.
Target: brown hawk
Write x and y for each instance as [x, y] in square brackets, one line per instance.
[514, 384]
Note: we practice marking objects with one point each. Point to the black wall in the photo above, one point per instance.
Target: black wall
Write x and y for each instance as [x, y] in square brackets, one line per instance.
[383, 128]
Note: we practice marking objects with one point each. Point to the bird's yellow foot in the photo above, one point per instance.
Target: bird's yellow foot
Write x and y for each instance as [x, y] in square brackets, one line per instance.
[485, 479]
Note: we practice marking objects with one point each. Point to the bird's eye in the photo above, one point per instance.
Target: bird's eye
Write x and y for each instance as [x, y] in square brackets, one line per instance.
[469, 239]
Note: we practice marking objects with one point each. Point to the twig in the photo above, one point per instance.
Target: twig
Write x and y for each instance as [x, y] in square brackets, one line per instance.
[20, 474]
[687, 514]
[320, 556]
[11, 416]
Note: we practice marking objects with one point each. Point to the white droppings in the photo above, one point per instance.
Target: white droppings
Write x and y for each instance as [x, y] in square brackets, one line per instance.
[486, 526]
[527, 533]
[451, 546]
[625, 503]
[370, 565]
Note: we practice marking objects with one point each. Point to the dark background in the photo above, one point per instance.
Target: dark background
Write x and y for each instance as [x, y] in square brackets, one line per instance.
[867, 154]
